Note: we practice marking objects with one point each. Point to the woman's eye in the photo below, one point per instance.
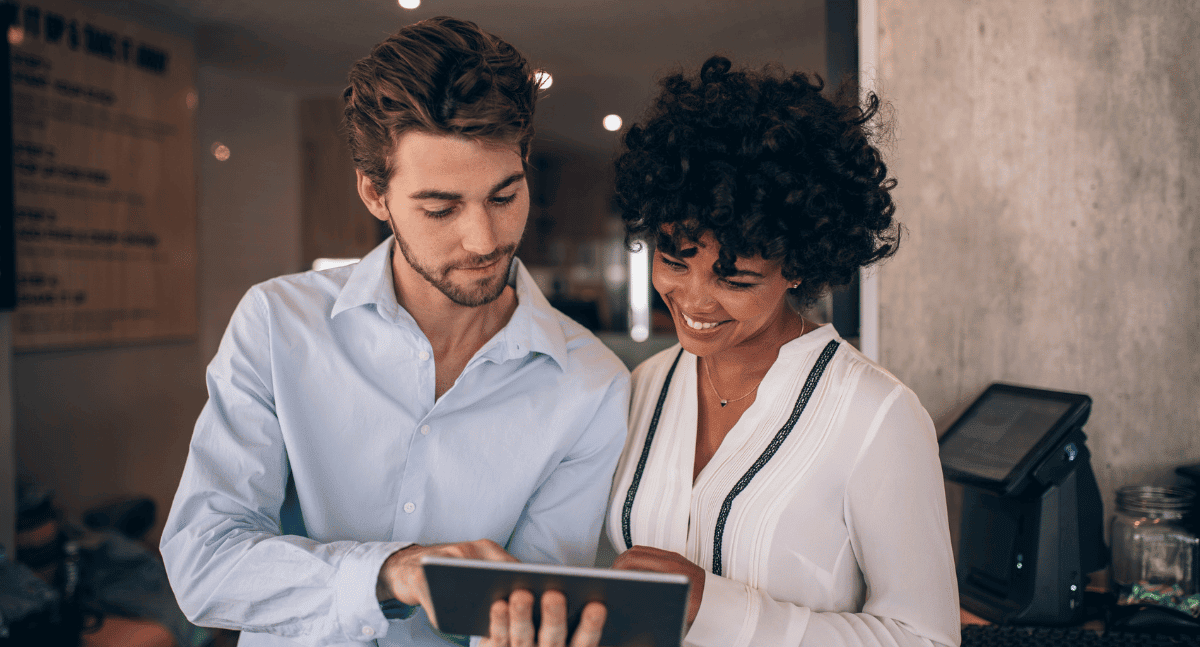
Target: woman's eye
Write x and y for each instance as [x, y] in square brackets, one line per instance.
[737, 285]
[672, 264]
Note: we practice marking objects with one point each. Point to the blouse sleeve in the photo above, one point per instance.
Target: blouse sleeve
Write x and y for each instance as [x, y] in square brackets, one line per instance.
[895, 512]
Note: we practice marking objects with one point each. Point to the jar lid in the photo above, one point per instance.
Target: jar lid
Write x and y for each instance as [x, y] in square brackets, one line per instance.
[1149, 499]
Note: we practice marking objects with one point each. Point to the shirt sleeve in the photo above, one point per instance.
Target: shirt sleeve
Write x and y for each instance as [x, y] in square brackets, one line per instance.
[228, 563]
[561, 523]
[895, 511]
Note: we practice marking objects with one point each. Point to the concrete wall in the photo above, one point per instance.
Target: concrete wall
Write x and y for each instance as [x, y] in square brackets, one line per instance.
[1048, 155]
[100, 423]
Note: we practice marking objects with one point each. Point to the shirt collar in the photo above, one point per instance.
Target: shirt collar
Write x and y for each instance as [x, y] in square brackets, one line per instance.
[534, 327]
[370, 282]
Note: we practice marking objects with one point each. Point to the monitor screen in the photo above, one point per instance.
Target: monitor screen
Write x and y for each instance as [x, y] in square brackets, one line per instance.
[999, 431]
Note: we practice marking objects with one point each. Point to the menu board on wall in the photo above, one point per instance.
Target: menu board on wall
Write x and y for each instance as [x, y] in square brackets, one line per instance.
[105, 195]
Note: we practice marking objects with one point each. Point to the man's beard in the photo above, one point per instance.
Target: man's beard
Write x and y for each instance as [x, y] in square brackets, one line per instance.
[477, 293]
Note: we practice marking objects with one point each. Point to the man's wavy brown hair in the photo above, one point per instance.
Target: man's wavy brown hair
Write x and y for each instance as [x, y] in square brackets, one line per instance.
[442, 76]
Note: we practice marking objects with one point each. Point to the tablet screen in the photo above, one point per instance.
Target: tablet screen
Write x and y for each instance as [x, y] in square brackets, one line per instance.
[998, 432]
[644, 609]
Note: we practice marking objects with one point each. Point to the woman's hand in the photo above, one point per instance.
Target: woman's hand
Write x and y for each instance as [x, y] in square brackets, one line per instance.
[645, 558]
[512, 622]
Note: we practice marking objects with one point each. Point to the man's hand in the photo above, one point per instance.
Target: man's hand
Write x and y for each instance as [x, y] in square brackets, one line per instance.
[403, 579]
[645, 558]
[512, 622]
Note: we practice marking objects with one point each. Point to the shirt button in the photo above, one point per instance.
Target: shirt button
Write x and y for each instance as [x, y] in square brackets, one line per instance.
[424, 430]
[409, 507]
[424, 356]
[367, 631]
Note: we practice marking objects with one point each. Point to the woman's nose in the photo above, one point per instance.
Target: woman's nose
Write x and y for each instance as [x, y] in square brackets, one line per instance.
[692, 294]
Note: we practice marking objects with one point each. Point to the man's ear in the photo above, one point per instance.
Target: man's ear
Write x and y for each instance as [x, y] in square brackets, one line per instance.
[371, 197]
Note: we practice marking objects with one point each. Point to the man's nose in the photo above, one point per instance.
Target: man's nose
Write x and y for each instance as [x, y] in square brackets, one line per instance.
[478, 231]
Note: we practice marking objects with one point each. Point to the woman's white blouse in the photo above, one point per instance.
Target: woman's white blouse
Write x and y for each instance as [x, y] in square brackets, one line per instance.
[840, 538]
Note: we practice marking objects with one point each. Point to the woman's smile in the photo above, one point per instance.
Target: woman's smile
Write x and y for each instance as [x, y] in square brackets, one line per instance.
[700, 325]
[745, 311]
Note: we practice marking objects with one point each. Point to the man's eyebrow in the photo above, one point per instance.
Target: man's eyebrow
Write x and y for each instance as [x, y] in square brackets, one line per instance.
[450, 196]
[515, 177]
[434, 194]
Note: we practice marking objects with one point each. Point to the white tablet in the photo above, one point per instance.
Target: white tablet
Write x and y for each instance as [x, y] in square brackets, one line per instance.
[644, 609]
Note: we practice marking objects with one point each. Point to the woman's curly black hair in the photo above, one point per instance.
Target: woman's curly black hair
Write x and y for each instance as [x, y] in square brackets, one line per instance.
[769, 166]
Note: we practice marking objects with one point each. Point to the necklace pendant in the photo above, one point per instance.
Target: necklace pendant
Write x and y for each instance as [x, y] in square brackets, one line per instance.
[724, 402]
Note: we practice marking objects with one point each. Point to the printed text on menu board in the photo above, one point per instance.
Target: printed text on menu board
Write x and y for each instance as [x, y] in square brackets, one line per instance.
[105, 217]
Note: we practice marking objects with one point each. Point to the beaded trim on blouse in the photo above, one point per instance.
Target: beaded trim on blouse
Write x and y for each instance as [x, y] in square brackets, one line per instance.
[810, 385]
[637, 474]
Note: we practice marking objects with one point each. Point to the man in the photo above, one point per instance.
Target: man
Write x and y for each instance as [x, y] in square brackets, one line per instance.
[426, 400]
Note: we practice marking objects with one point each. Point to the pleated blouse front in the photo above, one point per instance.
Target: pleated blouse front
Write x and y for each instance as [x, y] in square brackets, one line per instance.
[820, 520]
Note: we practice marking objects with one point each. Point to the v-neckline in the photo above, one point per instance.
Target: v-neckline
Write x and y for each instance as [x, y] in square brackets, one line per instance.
[692, 405]
[820, 335]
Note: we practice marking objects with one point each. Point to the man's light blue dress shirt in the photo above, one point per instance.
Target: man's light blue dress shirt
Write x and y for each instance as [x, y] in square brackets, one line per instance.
[324, 378]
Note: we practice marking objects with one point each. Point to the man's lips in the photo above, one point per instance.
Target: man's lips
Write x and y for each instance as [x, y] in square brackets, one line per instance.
[487, 264]
[479, 268]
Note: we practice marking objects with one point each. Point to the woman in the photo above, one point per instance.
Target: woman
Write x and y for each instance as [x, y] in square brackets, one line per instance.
[793, 480]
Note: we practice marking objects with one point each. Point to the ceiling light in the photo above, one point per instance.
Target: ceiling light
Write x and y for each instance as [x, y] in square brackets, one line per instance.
[612, 122]
[220, 151]
[410, 4]
[544, 80]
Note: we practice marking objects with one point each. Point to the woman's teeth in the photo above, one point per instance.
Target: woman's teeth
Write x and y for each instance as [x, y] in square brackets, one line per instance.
[696, 325]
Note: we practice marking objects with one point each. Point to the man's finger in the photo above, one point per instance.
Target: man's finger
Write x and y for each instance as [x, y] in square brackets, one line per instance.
[490, 550]
[591, 625]
[520, 619]
[479, 549]
[553, 632]
[498, 627]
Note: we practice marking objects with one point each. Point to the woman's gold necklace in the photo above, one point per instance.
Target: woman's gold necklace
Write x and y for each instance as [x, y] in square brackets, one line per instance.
[708, 374]
[724, 402]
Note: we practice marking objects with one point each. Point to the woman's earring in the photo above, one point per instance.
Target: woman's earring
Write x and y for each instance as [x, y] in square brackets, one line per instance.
[795, 285]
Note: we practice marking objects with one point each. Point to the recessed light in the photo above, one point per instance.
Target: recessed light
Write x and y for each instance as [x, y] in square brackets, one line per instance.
[544, 80]
[612, 122]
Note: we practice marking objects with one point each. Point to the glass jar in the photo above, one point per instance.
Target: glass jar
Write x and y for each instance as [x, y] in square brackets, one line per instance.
[1154, 553]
